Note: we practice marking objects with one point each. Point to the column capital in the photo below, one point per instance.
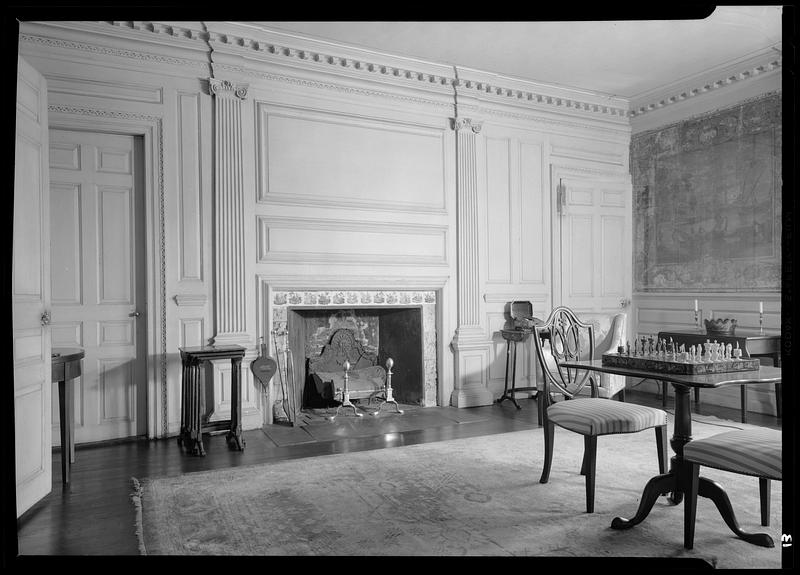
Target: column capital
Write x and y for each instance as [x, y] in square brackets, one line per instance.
[466, 123]
[227, 88]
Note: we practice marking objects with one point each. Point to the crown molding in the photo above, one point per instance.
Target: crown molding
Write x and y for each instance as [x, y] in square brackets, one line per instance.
[256, 51]
[761, 64]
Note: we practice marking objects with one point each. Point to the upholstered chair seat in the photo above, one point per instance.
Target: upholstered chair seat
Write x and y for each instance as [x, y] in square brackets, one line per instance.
[589, 417]
[755, 452]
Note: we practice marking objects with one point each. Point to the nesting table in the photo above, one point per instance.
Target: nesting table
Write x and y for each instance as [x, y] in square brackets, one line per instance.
[193, 397]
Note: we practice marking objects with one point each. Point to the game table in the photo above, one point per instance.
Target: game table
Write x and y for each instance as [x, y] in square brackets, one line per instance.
[677, 478]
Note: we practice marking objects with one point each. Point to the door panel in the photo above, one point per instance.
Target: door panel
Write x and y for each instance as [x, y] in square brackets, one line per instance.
[592, 241]
[31, 292]
[97, 277]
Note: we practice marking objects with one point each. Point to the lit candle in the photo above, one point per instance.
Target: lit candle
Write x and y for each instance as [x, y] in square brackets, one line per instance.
[711, 314]
[695, 305]
[761, 307]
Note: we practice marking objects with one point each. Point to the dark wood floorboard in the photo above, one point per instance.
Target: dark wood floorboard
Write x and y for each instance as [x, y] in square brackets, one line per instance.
[95, 514]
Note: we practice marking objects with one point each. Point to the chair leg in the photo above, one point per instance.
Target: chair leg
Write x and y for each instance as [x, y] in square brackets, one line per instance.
[764, 493]
[549, 436]
[663, 394]
[744, 403]
[778, 402]
[589, 459]
[690, 503]
[661, 446]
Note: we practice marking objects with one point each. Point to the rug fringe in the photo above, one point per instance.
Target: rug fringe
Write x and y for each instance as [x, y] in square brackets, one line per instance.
[136, 497]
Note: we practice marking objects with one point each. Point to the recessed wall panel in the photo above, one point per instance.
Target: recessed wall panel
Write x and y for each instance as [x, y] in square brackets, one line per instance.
[115, 381]
[534, 231]
[65, 243]
[347, 161]
[189, 187]
[580, 256]
[114, 245]
[613, 236]
[27, 221]
[498, 209]
[305, 240]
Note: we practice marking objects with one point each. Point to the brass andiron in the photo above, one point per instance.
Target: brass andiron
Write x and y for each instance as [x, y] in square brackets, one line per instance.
[345, 394]
[389, 397]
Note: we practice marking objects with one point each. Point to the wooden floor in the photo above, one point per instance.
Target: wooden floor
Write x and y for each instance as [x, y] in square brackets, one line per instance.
[95, 516]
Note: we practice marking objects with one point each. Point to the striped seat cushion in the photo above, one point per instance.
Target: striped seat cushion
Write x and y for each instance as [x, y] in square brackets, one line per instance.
[594, 416]
[754, 452]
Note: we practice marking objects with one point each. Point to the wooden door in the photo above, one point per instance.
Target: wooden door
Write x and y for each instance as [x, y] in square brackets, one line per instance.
[97, 271]
[31, 292]
[592, 266]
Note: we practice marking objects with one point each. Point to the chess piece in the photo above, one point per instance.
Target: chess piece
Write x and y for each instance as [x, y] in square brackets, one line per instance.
[627, 348]
[728, 352]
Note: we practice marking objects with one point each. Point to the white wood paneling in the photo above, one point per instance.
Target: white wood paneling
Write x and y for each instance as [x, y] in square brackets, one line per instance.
[534, 252]
[328, 241]
[326, 159]
[499, 225]
[30, 292]
[65, 247]
[98, 250]
[190, 191]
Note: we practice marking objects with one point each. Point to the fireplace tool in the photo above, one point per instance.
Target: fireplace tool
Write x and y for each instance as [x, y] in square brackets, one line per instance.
[389, 398]
[345, 395]
[263, 367]
[280, 374]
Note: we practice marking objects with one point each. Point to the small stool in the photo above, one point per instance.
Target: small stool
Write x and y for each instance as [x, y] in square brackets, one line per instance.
[193, 397]
[755, 452]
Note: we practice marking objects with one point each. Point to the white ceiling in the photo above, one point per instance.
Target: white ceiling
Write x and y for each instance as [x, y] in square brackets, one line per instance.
[620, 58]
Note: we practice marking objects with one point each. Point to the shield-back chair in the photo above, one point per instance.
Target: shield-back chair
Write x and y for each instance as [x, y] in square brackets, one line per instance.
[563, 337]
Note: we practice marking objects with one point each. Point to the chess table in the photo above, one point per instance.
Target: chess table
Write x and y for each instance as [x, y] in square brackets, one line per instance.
[675, 481]
[752, 343]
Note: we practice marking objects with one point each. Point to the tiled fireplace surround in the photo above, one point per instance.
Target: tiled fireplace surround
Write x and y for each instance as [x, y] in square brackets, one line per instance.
[283, 302]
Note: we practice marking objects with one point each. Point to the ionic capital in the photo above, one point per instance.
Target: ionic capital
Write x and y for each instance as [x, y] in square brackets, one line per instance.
[466, 123]
[227, 88]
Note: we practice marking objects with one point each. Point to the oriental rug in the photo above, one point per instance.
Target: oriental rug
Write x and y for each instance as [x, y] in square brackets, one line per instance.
[473, 496]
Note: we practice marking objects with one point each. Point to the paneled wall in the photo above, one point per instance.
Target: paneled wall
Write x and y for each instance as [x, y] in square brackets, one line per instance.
[342, 169]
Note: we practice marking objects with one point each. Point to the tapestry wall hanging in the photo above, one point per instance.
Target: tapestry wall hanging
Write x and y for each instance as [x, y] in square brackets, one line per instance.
[707, 201]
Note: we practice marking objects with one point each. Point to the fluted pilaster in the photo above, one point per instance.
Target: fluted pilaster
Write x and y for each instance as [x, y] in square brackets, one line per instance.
[470, 343]
[231, 326]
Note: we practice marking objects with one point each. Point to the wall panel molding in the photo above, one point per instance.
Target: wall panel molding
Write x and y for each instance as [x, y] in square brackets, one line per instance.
[190, 186]
[346, 241]
[350, 153]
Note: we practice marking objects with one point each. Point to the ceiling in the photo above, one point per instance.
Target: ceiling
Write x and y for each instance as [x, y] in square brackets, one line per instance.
[627, 59]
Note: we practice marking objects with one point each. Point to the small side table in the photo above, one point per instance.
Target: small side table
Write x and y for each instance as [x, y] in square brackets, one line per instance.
[66, 364]
[193, 397]
[512, 337]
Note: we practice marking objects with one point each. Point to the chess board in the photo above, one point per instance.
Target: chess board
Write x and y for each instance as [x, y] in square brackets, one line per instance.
[663, 365]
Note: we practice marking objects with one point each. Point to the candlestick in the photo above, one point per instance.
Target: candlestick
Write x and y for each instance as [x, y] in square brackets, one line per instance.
[695, 305]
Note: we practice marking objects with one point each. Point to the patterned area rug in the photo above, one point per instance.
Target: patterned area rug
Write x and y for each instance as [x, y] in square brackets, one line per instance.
[473, 496]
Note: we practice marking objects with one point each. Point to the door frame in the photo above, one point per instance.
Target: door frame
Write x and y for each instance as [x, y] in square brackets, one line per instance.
[150, 128]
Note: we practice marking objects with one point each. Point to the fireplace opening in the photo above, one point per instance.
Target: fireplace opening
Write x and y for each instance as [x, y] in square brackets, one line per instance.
[382, 332]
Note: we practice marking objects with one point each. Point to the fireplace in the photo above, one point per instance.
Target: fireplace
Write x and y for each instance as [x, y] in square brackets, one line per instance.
[387, 323]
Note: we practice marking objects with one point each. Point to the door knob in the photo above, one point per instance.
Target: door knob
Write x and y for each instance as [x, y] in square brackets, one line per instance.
[134, 314]
[624, 302]
[45, 319]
